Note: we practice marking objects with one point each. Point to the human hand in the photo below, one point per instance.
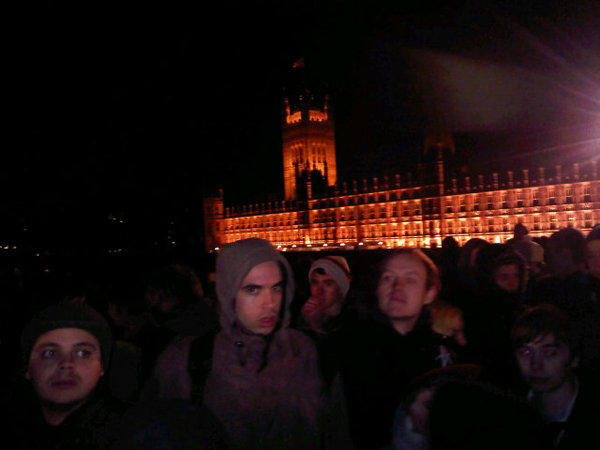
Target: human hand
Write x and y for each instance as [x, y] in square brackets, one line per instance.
[312, 306]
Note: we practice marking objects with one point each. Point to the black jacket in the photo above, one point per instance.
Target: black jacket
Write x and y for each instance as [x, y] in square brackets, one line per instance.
[92, 426]
[377, 365]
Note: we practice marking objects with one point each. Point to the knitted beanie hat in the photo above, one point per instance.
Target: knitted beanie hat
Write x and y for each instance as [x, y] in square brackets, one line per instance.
[337, 267]
[68, 315]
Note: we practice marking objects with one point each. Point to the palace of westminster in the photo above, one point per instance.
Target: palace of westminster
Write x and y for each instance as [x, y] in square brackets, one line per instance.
[416, 210]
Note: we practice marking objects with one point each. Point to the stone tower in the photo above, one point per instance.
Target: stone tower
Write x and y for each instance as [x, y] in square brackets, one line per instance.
[308, 143]
[213, 214]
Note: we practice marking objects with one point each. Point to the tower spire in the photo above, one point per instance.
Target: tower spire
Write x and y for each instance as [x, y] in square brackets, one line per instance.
[308, 135]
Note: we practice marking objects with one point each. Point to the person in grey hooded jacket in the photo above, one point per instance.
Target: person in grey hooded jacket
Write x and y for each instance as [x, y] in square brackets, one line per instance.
[264, 383]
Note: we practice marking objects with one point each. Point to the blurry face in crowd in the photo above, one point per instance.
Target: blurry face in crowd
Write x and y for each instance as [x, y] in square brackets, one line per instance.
[258, 301]
[545, 363]
[592, 256]
[402, 289]
[419, 410]
[324, 288]
[65, 366]
[559, 259]
[507, 277]
[159, 303]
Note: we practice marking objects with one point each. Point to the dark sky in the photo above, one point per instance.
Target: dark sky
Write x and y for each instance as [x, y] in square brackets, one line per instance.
[121, 105]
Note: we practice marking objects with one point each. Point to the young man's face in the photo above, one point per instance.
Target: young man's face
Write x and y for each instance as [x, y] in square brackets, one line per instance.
[507, 277]
[325, 288]
[65, 365]
[545, 363]
[258, 301]
[402, 289]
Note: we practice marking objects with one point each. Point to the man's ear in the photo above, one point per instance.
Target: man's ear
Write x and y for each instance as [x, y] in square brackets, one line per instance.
[430, 295]
[27, 375]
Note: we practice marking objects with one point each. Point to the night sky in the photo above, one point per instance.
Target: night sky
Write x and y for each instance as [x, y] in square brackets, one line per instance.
[122, 106]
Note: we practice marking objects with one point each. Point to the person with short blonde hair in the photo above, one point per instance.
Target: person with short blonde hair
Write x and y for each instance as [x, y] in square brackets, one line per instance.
[383, 354]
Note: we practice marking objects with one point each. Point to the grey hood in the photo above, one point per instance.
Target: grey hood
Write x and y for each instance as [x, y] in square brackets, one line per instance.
[234, 262]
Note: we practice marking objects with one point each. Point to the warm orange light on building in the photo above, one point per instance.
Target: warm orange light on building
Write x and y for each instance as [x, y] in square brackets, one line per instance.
[387, 213]
[308, 144]
[393, 215]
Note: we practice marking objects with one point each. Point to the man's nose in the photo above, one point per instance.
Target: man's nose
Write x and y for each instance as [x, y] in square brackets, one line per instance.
[536, 362]
[270, 299]
[66, 362]
[398, 284]
[319, 290]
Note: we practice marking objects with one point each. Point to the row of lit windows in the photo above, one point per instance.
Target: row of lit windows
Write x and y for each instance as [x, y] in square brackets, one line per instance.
[363, 199]
[475, 202]
[559, 194]
[461, 203]
[519, 199]
[543, 222]
[264, 223]
[329, 217]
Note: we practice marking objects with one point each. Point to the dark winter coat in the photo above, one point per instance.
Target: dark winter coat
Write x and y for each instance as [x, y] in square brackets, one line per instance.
[265, 390]
[93, 426]
[378, 364]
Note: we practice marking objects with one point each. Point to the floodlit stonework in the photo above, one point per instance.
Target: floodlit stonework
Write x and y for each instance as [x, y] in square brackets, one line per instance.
[401, 211]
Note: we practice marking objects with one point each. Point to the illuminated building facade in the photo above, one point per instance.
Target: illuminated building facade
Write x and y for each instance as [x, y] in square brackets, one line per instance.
[416, 210]
[308, 146]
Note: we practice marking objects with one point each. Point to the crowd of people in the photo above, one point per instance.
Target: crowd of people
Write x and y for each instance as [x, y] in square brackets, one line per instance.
[480, 346]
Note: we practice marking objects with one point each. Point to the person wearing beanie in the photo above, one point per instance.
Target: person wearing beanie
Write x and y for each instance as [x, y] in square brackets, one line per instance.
[263, 384]
[66, 349]
[325, 317]
[329, 280]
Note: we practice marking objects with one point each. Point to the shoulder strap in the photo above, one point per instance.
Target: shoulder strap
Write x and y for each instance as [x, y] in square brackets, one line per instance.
[200, 363]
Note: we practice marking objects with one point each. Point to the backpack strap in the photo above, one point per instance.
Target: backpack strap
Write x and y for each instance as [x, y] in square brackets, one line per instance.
[200, 364]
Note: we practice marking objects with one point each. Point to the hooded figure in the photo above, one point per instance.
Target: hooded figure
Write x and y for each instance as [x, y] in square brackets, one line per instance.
[264, 384]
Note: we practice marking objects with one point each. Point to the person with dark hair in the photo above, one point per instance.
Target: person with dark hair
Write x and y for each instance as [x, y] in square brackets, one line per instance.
[520, 233]
[570, 288]
[175, 309]
[263, 383]
[547, 348]
[566, 252]
[66, 349]
[498, 303]
[448, 265]
[467, 268]
[396, 344]
[509, 273]
[257, 377]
